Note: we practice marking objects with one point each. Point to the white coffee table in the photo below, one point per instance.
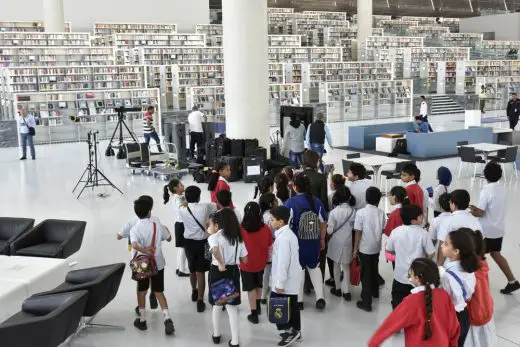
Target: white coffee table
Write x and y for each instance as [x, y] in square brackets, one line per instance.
[386, 144]
[377, 161]
[12, 294]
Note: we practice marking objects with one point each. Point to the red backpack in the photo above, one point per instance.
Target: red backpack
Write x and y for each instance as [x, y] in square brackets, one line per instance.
[480, 306]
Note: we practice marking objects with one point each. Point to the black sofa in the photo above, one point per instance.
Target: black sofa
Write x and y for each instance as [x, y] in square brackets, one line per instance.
[44, 321]
[52, 238]
[10, 230]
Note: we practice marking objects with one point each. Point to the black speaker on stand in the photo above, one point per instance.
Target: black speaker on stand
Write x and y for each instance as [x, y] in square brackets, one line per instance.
[178, 136]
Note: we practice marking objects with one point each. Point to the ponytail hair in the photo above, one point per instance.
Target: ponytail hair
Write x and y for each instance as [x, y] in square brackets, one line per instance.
[343, 196]
[338, 180]
[282, 187]
[170, 187]
[267, 202]
[480, 249]
[263, 186]
[462, 240]
[428, 274]
[400, 195]
[303, 186]
[215, 175]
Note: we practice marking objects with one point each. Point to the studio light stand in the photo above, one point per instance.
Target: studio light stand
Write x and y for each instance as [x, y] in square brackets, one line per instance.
[92, 177]
[121, 111]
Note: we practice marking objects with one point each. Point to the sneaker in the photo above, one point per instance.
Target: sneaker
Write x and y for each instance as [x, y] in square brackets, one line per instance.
[289, 338]
[194, 295]
[253, 318]
[201, 306]
[320, 304]
[510, 288]
[181, 274]
[153, 301]
[335, 292]
[330, 282]
[169, 329]
[347, 297]
[232, 345]
[300, 306]
[140, 325]
[361, 306]
[299, 339]
[23, 158]
[216, 339]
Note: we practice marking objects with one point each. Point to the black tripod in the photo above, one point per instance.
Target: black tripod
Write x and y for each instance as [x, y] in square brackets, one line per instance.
[90, 176]
[121, 154]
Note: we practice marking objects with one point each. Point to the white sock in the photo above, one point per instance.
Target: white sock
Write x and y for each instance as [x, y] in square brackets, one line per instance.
[337, 275]
[300, 294]
[345, 284]
[512, 282]
[142, 314]
[181, 260]
[216, 320]
[317, 282]
[232, 312]
[166, 314]
[266, 279]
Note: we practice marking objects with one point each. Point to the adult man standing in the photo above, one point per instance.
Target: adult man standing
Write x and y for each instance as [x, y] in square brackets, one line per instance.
[27, 122]
[423, 112]
[513, 111]
[482, 97]
[149, 128]
[195, 119]
[315, 138]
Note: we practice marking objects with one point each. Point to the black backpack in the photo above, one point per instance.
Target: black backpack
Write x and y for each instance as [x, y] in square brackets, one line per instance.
[309, 225]
[401, 147]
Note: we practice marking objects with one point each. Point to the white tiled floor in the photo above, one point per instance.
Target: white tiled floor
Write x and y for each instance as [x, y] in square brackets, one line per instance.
[42, 189]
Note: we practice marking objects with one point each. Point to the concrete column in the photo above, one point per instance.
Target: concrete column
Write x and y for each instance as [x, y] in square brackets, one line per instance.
[364, 12]
[246, 69]
[53, 15]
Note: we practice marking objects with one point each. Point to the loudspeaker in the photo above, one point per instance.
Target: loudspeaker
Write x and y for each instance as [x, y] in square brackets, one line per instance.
[178, 136]
[237, 168]
[238, 148]
[253, 169]
[209, 131]
[259, 152]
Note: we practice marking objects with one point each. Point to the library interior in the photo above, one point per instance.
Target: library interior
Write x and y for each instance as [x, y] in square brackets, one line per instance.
[379, 131]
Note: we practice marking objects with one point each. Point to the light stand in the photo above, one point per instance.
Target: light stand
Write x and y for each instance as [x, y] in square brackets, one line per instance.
[121, 154]
[90, 176]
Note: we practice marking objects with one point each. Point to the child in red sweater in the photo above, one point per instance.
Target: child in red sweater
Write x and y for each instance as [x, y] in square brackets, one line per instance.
[398, 198]
[415, 192]
[218, 181]
[427, 316]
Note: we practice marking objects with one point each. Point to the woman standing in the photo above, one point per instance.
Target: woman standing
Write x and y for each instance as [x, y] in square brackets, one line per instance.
[227, 251]
[294, 141]
[27, 126]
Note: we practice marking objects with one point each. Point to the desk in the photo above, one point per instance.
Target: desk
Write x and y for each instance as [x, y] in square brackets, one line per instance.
[12, 294]
[487, 148]
[376, 161]
[503, 135]
[386, 144]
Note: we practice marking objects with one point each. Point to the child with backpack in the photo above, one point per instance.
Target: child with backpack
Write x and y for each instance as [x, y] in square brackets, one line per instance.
[339, 230]
[308, 222]
[219, 181]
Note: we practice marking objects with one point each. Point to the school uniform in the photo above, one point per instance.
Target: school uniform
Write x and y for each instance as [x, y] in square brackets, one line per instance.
[461, 286]
[426, 205]
[222, 184]
[267, 271]
[339, 228]
[371, 222]
[394, 220]
[408, 242]
[482, 331]
[194, 236]
[287, 273]
[410, 315]
[435, 226]
[437, 192]
[359, 190]
[177, 201]
[142, 234]
[258, 246]
[457, 220]
[415, 194]
[493, 201]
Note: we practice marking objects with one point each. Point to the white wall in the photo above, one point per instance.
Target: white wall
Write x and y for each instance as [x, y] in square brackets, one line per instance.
[184, 13]
[505, 26]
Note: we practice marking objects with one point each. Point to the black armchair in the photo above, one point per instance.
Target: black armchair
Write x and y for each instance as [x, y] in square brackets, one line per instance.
[44, 321]
[51, 238]
[10, 230]
[102, 284]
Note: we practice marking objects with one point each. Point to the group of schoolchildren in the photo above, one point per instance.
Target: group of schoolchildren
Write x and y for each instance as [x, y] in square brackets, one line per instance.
[279, 244]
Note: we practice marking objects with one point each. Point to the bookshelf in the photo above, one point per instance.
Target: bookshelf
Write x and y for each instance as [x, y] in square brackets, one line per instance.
[213, 32]
[28, 26]
[53, 56]
[366, 100]
[382, 42]
[209, 99]
[281, 23]
[499, 90]
[103, 29]
[452, 23]
[397, 26]
[170, 55]
[285, 40]
[288, 94]
[313, 31]
[416, 55]
[325, 15]
[462, 39]
[68, 116]
[441, 77]
[304, 54]
[41, 39]
[132, 40]
[279, 10]
[420, 20]
[375, 19]
[428, 31]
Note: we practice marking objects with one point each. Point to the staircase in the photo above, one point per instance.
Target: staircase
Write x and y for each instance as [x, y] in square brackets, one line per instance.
[443, 104]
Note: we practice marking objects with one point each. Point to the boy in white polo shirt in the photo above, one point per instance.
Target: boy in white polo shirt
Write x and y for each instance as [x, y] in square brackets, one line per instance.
[146, 237]
[408, 242]
[435, 225]
[369, 225]
[359, 184]
[491, 211]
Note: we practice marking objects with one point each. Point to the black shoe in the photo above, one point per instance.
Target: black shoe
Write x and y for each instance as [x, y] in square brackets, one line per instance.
[153, 301]
[253, 318]
[300, 306]
[347, 297]
[33, 158]
[181, 274]
[140, 325]
[320, 304]
[289, 338]
[360, 305]
[263, 302]
[201, 306]
[194, 295]
[169, 329]
[335, 292]
[23, 158]
[510, 288]
[232, 345]
[299, 339]
[216, 339]
[330, 282]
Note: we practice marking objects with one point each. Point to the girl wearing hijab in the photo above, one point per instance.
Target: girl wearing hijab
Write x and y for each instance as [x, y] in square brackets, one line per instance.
[444, 177]
[294, 141]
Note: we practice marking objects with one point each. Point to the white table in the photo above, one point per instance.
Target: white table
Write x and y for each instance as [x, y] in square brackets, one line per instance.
[386, 144]
[12, 294]
[376, 161]
[487, 148]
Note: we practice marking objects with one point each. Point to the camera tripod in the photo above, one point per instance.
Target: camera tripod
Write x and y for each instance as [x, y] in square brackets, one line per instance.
[121, 154]
[90, 176]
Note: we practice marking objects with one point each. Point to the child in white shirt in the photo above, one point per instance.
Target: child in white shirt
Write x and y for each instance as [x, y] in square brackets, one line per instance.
[146, 237]
[435, 225]
[267, 203]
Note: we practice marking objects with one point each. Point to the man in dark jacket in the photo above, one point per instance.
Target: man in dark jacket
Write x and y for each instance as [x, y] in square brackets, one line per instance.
[513, 111]
[317, 132]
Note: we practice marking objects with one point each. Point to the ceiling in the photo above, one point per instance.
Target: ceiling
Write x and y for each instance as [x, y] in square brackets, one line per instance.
[446, 8]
